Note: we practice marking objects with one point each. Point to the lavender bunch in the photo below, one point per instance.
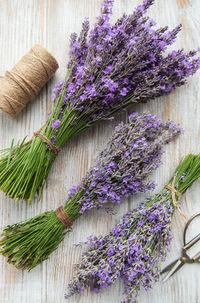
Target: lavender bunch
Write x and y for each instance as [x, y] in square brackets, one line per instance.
[121, 169]
[111, 67]
[135, 247]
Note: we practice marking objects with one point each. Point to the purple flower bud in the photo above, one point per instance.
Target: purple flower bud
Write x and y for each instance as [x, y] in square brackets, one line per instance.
[55, 124]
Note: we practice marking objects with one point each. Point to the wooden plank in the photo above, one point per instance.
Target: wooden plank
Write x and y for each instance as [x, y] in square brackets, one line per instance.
[24, 23]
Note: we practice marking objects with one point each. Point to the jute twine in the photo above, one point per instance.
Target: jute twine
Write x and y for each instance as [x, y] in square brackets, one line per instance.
[38, 134]
[174, 194]
[53, 147]
[26, 79]
[63, 216]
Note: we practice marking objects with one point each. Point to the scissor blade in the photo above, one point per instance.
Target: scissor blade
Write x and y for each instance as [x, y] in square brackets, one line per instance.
[174, 269]
[192, 242]
[196, 258]
[169, 267]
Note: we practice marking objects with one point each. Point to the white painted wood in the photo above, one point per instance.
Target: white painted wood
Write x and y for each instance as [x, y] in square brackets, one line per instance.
[24, 23]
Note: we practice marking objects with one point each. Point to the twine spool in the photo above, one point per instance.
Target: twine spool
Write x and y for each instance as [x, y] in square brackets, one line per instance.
[25, 80]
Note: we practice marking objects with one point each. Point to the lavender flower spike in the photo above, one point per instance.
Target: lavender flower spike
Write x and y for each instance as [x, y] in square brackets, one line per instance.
[130, 251]
[121, 169]
[134, 248]
[124, 166]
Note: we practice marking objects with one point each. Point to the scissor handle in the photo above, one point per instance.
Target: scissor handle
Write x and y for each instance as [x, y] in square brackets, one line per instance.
[196, 239]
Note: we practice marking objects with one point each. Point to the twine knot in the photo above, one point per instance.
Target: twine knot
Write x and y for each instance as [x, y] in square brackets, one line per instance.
[38, 134]
[175, 193]
[53, 147]
[63, 216]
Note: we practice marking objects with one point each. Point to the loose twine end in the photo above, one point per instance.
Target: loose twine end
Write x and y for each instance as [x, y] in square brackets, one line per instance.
[63, 216]
[175, 193]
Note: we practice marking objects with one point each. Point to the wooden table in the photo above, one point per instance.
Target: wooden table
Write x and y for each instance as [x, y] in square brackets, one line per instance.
[26, 22]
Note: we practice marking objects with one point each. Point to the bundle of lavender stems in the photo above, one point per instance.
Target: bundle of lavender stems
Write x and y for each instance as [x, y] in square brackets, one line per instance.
[111, 67]
[136, 246]
[120, 170]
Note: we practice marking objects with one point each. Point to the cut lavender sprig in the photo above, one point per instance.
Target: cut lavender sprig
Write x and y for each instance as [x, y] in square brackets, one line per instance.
[130, 251]
[111, 67]
[122, 169]
[135, 247]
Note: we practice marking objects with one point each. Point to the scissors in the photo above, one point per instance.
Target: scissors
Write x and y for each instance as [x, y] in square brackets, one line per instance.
[178, 264]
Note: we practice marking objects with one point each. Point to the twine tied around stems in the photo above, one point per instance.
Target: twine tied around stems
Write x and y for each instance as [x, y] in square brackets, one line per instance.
[63, 216]
[175, 193]
[38, 134]
[53, 147]
[25, 80]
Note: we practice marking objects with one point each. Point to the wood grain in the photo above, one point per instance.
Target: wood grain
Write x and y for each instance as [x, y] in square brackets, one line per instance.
[24, 23]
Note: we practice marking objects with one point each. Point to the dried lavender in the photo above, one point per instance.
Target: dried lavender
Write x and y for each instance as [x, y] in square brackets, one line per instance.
[121, 169]
[111, 67]
[135, 247]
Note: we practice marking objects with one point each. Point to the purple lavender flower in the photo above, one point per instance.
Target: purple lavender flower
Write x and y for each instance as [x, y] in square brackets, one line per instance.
[123, 167]
[57, 90]
[113, 66]
[53, 139]
[55, 124]
[131, 251]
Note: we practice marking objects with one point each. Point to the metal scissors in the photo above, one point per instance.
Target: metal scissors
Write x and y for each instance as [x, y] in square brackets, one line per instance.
[178, 264]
